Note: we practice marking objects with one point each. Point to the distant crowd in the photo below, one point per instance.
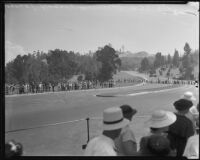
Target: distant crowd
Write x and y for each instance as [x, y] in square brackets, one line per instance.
[41, 87]
[64, 86]
[170, 134]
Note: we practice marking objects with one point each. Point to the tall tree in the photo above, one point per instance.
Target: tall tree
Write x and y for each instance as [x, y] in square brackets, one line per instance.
[158, 60]
[187, 49]
[186, 62]
[175, 60]
[110, 62]
[144, 65]
[169, 59]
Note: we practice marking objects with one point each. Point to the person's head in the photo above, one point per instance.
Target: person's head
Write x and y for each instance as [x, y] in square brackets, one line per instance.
[188, 96]
[113, 122]
[128, 111]
[13, 149]
[183, 105]
[160, 121]
[158, 145]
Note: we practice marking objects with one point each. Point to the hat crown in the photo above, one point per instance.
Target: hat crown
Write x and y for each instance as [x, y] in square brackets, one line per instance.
[112, 114]
[159, 115]
[188, 95]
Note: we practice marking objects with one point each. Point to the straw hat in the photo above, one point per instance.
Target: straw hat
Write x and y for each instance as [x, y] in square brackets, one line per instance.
[113, 119]
[160, 119]
[188, 96]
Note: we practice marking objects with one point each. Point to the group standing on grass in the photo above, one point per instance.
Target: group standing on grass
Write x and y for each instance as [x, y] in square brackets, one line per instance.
[170, 134]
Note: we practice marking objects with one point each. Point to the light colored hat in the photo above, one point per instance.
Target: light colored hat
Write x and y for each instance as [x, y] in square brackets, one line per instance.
[194, 110]
[188, 96]
[113, 119]
[160, 119]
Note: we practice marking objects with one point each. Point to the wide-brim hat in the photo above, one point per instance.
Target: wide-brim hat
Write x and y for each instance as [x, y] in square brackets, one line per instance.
[113, 119]
[160, 119]
[183, 104]
[188, 96]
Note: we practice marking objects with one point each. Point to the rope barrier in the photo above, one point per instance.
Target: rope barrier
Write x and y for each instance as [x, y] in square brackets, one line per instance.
[45, 125]
[59, 123]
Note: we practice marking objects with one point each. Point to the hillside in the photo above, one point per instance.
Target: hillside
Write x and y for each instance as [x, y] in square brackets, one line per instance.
[131, 61]
[130, 54]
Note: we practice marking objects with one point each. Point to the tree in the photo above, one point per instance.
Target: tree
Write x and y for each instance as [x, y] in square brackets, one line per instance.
[61, 65]
[110, 62]
[158, 60]
[187, 49]
[169, 59]
[144, 65]
[175, 60]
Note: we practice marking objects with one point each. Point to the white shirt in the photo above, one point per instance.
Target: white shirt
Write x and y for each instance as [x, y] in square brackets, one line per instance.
[100, 146]
[192, 148]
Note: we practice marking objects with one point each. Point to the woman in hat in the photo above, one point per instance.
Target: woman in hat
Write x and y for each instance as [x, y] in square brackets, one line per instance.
[158, 124]
[183, 128]
[126, 142]
[103, 145]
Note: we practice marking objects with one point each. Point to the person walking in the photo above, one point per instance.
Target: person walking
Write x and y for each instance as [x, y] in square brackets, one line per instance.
[103, 145]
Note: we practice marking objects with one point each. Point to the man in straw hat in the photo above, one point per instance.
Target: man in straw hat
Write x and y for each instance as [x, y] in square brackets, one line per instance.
[158, 123]
[103, 145]
[183, 128]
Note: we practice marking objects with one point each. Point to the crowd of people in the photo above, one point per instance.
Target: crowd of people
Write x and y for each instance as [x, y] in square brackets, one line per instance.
[170, 134]
[41, 87]
[63, 86]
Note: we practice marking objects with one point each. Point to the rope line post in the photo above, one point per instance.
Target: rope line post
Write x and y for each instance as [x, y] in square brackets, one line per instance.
[88, 130]
[88, 134]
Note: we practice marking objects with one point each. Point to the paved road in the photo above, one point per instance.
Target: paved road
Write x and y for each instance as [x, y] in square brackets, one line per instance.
[34, 110]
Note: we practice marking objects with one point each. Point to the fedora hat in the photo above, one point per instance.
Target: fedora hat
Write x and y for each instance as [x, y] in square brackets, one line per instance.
[113, 119]
[188, 96]
[160, 119]
[183, 104]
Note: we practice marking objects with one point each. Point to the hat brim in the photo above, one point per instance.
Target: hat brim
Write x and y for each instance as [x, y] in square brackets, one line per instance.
[119, 125]
[190, 99]
[164, 123]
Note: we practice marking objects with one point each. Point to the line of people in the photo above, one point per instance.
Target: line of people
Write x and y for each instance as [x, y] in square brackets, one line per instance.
[170, 134]
[65, 86]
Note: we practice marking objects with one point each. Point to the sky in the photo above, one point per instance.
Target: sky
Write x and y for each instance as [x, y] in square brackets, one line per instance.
[84, 28]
